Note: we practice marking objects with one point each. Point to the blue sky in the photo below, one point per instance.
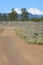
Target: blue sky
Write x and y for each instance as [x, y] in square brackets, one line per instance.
[7, 5]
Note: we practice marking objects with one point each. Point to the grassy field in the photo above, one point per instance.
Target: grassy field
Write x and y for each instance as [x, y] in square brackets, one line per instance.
[30, 32]
[2, 25]
[1, 30]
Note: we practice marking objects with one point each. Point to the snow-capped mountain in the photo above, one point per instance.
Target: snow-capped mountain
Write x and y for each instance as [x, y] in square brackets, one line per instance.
[35, 11]
[18, 10]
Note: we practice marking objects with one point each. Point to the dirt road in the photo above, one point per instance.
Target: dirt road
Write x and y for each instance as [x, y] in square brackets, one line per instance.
[14, 51]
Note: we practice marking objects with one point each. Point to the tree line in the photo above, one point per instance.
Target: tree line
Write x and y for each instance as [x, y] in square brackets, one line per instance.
[14, 16]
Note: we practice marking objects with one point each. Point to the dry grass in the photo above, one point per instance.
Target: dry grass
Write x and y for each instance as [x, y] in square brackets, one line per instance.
[1, 30]
[30, 35]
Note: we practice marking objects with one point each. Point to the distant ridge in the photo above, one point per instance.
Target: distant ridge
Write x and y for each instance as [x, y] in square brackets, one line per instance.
[33, 12]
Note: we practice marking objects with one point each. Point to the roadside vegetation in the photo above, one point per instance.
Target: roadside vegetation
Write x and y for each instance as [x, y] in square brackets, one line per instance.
[30, 32]
[2, 26]
[1, 30]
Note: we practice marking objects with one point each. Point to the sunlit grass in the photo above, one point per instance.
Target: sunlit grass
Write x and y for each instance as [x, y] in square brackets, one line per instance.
[31, 33]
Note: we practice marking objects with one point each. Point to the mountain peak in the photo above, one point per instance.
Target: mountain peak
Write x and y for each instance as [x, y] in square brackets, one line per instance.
[18, 10]
[35, 11]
